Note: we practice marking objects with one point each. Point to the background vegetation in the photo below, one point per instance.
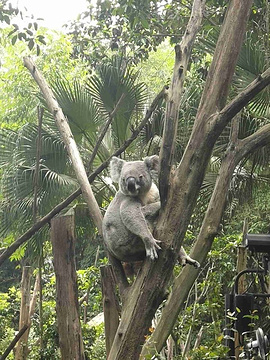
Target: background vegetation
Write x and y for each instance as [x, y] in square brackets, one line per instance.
[125, 49]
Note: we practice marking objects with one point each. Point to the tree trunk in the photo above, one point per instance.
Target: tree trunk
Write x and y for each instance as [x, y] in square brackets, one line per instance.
[182, 285]
[110, 305]
[67, 307]
[22, 349]
[150, 286]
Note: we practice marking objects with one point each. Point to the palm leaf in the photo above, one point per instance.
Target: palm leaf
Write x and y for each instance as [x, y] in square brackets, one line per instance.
[79, 108]
[112, 82]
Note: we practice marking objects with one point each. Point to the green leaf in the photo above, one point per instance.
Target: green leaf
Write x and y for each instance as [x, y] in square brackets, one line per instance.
[31, 44]
[14, 39]
[144, 22]
[38, 50]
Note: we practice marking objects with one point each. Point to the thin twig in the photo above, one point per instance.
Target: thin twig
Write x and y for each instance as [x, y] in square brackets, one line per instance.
[14, 341]
[38, 153]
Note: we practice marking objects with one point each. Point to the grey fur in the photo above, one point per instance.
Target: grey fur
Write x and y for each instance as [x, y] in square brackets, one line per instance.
[127, 223]
[129, 220]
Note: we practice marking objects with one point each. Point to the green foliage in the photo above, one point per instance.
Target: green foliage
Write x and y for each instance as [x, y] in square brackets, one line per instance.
[90, 279]
[17, 103]
[95, 342]
[9, 317]
[27, 34]
[135, 28]
[94, 336]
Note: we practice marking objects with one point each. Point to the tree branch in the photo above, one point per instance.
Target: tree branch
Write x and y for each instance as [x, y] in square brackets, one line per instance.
[182, 56]
[14, 342]
[208, 231]
[104, 131]
[220, 120]
[69, 141]
[47, 218]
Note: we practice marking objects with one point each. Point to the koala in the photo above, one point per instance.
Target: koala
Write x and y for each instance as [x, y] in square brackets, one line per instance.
[130, 218]
[127, 228]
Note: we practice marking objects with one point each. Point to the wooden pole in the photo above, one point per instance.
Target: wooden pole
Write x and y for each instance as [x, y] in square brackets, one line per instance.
[21, 349]
[67, 307]
[110, 305]
[241, 265]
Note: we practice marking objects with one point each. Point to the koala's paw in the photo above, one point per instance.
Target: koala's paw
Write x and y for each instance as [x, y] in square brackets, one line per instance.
[196, 264]
[151, 249]
[192, 262]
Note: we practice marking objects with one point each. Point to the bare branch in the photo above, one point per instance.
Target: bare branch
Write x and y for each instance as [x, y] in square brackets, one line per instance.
[259, 139]
[40, 111]
[182, 56]
[14, 341]
[104, 131]
[220, 120]
[69, 141]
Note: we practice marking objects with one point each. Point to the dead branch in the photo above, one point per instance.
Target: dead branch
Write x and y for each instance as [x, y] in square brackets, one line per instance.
[69, 141]
[104, 131]
[182, 56]
[221, 119]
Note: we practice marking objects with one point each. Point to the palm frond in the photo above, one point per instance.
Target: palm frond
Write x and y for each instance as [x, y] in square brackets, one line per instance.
[112, 82]
[78, 106]
[251, 63]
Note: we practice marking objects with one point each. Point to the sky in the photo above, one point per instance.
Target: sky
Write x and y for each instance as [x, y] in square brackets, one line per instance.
[54, 12]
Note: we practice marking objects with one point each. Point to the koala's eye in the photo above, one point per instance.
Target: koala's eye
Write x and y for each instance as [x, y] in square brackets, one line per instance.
[141, 177]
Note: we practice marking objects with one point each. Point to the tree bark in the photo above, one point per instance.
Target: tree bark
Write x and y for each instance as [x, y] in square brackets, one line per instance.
[22, 349]
[67, 307]
[182, 56]
[69, 141]
[182, 285]
[150, 286]
[110, 305]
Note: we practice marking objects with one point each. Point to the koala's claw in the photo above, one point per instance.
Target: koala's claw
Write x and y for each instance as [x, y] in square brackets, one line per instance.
[196, 264]
[192, 262]
[151, 251]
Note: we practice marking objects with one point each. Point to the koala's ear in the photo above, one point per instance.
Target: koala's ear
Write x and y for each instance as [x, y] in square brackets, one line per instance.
[152, 162]
[116, 165]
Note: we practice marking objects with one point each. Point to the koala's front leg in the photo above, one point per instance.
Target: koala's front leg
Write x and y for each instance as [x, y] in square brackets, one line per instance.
[151, 210]
[133, 218]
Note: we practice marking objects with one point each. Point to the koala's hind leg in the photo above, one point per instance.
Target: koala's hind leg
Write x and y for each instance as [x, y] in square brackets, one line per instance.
[119, 274]
[184, 259]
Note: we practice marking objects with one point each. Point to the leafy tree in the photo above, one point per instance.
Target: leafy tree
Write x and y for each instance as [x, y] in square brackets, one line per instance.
[179, 199]
[27, 34]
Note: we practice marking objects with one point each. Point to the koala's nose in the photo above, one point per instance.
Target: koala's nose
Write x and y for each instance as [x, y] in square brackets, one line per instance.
[131, 184]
